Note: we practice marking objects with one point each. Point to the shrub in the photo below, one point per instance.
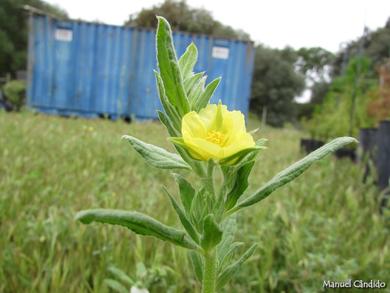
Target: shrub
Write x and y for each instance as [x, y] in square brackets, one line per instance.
[15, 92]
[344, 109]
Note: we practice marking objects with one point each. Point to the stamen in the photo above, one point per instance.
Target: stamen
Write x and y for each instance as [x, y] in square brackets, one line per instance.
[216, 137]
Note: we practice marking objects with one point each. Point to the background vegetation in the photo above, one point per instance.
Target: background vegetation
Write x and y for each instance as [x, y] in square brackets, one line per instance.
[275, 85]
[344, 108]
[310, 230]
[14, 31]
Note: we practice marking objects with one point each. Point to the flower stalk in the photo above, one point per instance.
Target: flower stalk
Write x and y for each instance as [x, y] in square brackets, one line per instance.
[210, 272]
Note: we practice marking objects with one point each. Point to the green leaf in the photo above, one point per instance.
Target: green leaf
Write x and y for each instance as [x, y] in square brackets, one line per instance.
[197, 264]
[245, 156]
[138, 223]
[200, 207]
[169, 67]
[168, 107]
[251, 155]
[212, 234]
[156, 156]
[179, 141]
[237, 157]
[240, 185]
[187, 60]
[205, 97]
[186, 191]
[183, 218]
[167, 123]
[116, 286]
[196, 91]
[294, 171]
[161, 91]
[181, 147]
[231, 270]
[190, 82]
[229, 253]
[227, 246]
[121, 275]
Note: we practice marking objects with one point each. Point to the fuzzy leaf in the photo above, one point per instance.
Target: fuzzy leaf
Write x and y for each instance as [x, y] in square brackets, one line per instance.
[197, 264]
[237, 157]
[205, 97]
[260, 145]
[178, 141]
[231, 270]
[294, 171]
[168, 107]
[245, 156]
[164, 119]
[240, 185]
[182, 149]
[156, 156]
[228, 253]
[187, 60]
[183, 218]
[212, 234]
[169, 67]
[187, 192]
[196, 91]
[138, 223]
[199, 208]
[227, 245]
[191, 81]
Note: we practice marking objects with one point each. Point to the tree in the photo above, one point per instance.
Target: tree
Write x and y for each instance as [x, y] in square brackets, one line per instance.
[13, 32]
[185, 18]
[314, 63]
[275, 84]
[373, 44]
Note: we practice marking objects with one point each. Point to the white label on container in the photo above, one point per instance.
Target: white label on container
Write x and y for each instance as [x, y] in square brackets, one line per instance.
[64, 35]
[220, 52]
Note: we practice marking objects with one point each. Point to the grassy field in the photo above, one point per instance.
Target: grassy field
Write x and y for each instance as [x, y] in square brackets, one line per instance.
[325, 225]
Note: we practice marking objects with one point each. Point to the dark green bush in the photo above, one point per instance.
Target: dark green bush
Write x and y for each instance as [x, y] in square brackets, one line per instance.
[15, 92]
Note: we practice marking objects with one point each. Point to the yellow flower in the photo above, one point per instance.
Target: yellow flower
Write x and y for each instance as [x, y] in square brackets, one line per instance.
[215, 133]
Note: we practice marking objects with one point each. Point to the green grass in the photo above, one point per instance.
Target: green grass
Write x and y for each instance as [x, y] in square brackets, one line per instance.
[324, 225]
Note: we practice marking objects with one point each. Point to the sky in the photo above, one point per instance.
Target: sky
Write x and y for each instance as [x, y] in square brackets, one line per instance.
[275, 23]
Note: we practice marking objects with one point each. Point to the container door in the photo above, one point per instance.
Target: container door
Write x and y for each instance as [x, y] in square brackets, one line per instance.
[62, 68]
[220, 52]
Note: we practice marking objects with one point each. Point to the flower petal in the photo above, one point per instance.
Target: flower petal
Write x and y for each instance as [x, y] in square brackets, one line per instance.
[204, 148]
[213, 116]
[215, 133]
[241, 141]
[208, 115]
[193, 126]
[238, 121]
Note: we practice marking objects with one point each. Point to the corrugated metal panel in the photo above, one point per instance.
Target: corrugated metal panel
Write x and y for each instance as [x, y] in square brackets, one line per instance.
[89, 69]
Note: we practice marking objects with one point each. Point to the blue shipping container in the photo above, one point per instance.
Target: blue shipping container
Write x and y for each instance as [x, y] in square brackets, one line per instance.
[90, 69]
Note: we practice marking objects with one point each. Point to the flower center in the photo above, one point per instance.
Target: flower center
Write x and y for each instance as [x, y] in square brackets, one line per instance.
[216, 137]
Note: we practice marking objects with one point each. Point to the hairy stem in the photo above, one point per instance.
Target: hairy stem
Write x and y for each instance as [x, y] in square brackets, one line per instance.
[209, 179]
[210, 272]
